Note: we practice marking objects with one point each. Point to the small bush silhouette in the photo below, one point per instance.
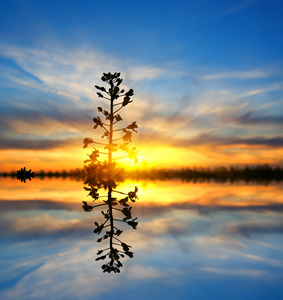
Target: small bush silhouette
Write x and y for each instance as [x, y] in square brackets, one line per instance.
[106, 174]
[23, 174]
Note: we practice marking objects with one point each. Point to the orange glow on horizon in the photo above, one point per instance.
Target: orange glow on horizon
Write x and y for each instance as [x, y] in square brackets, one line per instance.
[149, 156]
[156, 193]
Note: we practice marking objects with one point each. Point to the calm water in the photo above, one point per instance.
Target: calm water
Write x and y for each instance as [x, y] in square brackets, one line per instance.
[194, 241]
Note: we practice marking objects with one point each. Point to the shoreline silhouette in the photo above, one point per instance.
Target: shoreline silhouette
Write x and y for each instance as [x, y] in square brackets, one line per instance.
[259, 173]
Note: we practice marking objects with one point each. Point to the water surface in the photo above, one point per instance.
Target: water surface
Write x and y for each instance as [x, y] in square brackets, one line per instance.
[194, 241]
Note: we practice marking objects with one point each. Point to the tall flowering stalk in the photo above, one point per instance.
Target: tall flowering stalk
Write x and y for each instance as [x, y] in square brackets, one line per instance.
[106, 174]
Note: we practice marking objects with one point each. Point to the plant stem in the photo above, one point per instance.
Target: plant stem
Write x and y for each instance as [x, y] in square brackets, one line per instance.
[120, 157]
[118, 110]
[119, 192]
[99, 204]
[109, 175]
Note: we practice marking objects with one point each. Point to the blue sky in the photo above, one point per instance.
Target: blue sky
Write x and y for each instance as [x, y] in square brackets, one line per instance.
[238, 34]
[207, 76]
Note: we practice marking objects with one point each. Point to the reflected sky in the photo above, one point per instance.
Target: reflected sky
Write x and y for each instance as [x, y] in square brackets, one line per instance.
[194, 241]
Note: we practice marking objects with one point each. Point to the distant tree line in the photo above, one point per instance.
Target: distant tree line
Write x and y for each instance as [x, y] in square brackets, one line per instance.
[260, 173]
[78, 174]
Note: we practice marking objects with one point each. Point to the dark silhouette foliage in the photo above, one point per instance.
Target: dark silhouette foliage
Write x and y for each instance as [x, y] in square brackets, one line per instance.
[23, 174]
[106, 174]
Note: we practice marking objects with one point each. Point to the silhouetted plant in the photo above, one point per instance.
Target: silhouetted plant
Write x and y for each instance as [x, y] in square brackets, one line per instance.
[106, 174]
[23, 174]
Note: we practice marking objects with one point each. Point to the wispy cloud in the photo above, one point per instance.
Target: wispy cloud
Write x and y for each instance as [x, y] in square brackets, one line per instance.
[219, 241]
[250, 119]
[72, 73]
[45, 226]
[42, 204]
[269, 88]
[38, 144]
[215, 204]
[144, 72]
[236, 75]
[253, 227]
[235, 272]
[210, 139]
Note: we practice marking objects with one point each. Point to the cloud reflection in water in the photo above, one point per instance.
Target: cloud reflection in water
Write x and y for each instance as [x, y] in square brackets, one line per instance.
[194, 240]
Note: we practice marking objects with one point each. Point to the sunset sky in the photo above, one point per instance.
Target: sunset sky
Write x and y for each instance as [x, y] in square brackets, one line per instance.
[207, 77]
